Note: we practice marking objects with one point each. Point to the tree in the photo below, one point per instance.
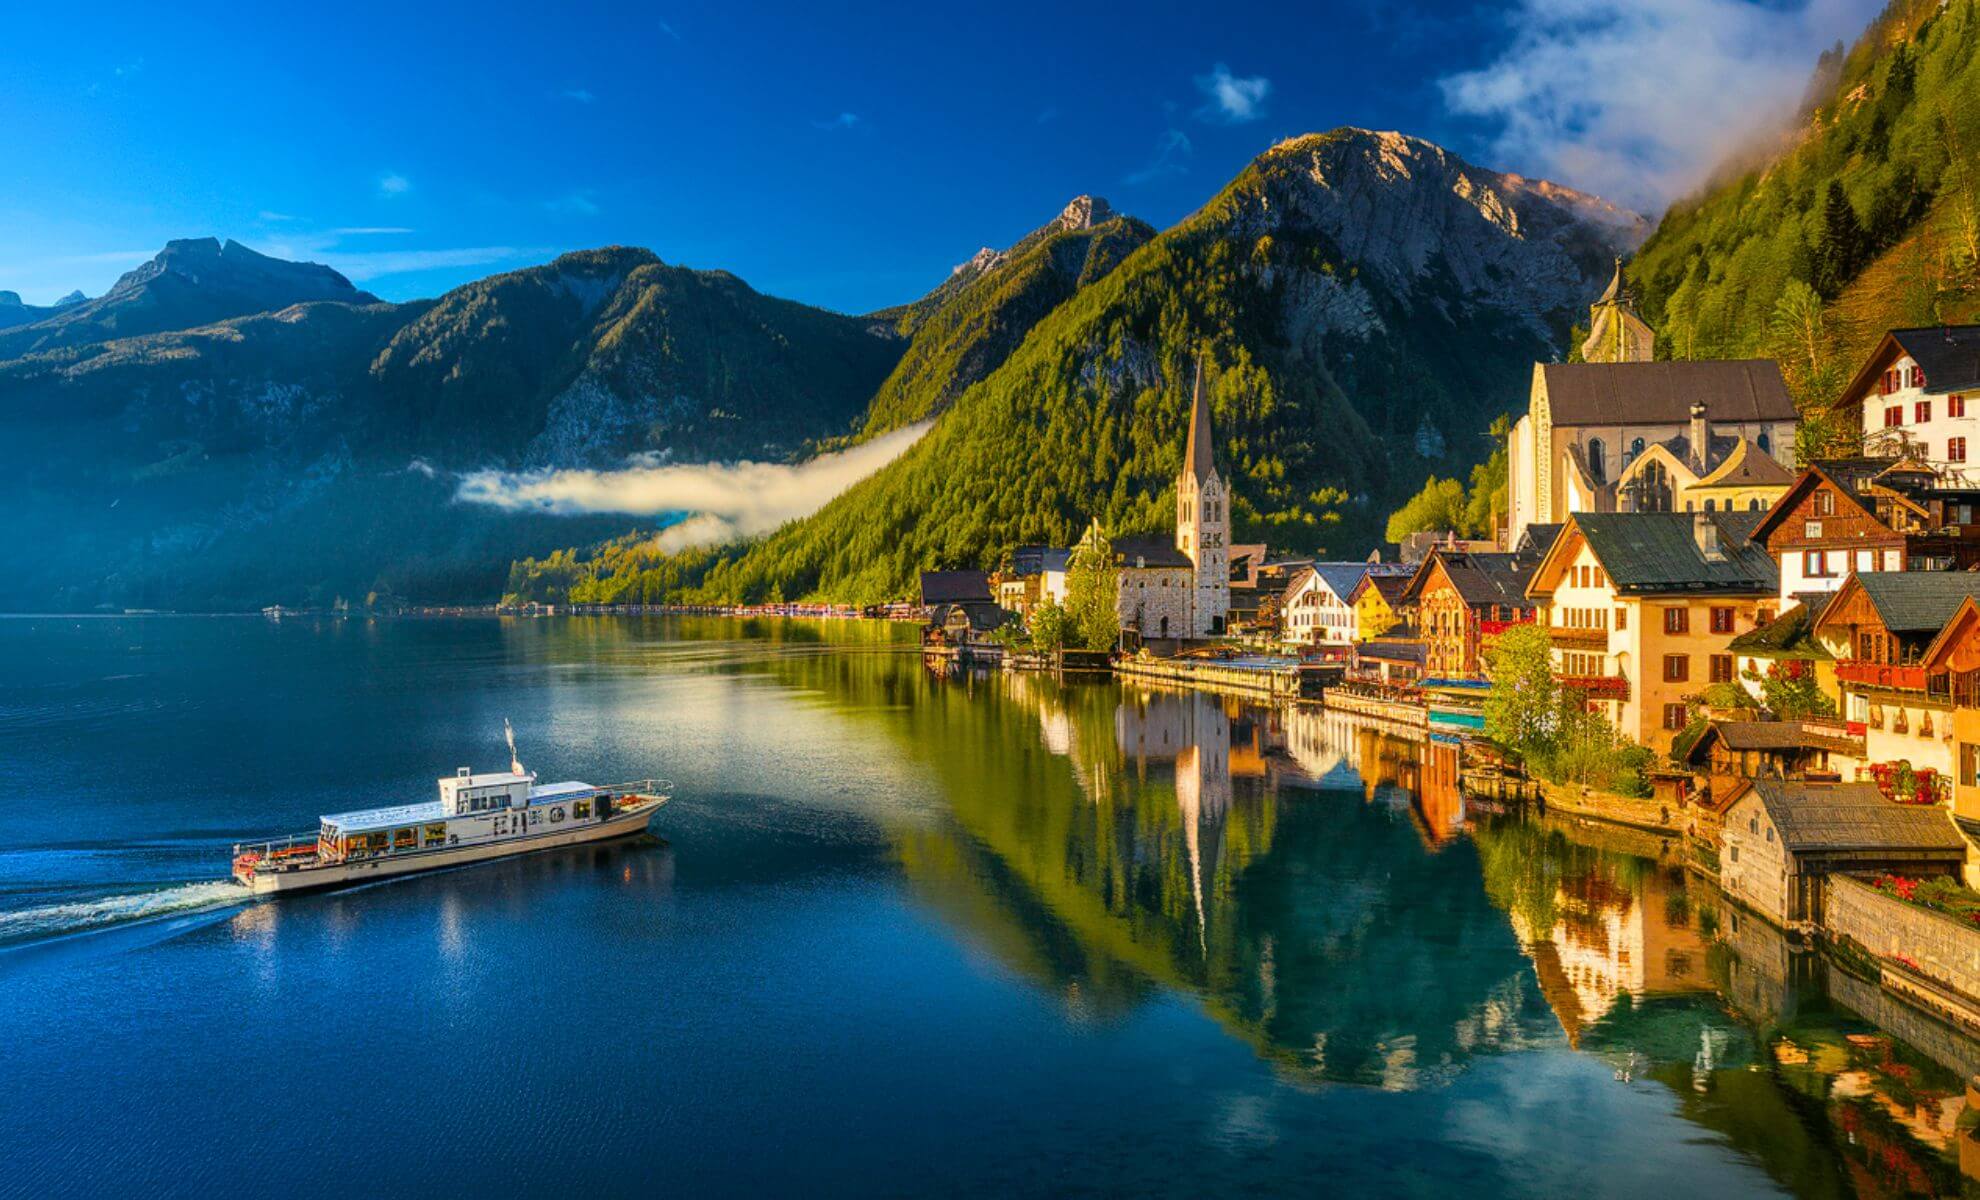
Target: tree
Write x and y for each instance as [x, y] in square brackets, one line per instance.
[1050, 625]
[1844, 244]
[1093, 592]
[1791, 691]
[1438, 507]
[1522, 709]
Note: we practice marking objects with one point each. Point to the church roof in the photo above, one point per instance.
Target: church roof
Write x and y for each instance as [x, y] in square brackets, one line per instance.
[1197, 459]
[1747, 465]
[1148, 551]
[1662, 393]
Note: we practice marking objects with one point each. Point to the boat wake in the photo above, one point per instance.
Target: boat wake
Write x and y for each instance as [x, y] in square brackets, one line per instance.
[82, 916]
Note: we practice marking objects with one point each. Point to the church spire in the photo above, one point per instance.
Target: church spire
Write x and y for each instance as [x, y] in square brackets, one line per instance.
[1197, 459]
[1615, 333]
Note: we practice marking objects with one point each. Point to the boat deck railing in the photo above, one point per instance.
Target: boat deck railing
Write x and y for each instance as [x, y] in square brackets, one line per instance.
[270, 849]
[640, 787]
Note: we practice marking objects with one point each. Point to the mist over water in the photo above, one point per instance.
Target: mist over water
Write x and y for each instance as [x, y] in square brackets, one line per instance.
[1018, 935]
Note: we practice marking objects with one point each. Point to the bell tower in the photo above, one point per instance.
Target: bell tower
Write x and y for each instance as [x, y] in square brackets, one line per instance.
[1203, 522]
[1615, 333]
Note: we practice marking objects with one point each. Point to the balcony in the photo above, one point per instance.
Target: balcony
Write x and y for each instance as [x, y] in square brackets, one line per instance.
[1569, 638]
[1597, 687]
[1877, 675]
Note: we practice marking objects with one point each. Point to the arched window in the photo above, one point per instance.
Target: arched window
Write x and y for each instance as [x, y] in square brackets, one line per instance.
[1598, 463]
[1765, 443]
[1754, 506]
[1636, 448]
[1710, 505]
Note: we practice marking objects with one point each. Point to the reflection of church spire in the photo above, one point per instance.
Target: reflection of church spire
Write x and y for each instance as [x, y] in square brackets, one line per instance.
[1203, 795]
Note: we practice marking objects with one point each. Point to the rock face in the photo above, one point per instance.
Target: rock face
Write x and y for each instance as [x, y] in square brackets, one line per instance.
[1427, 227]
[192, 282]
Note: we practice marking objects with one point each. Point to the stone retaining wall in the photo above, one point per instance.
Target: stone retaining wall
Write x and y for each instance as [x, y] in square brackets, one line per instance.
[1946, 949]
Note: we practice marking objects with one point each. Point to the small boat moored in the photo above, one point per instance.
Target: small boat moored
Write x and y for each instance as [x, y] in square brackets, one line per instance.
[476, 818]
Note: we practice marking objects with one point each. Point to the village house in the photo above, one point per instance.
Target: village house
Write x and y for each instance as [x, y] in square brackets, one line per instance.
[1643, 607]
[1462, 600]
[1256, 584]
[1783, 839]
[1588, 423]
[961, 613]
[1911, 397]
[1726, 752]
[1953, 662]
[1316, 612]
[1035, 572]
[1867, 515]
[1377, 601]
[1879, 627]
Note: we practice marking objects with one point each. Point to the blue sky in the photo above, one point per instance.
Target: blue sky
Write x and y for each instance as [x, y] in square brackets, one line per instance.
[842, 155]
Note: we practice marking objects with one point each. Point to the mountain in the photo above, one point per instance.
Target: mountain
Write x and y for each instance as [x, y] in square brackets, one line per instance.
[13, 311]
[1364, 304]
[308, 452]
[968, 326]
[1864, 216]
[192, 282]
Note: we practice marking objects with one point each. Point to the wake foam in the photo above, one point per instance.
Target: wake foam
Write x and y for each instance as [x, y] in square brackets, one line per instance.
[55, 920]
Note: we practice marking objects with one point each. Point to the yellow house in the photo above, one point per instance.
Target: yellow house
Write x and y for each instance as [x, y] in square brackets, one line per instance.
[1375, 601]
[1954, 658]
[1643, 608]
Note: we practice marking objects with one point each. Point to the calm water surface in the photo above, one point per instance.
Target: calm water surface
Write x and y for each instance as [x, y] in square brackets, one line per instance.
[898, 934]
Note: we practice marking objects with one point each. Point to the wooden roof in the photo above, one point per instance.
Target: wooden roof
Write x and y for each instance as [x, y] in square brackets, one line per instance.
[1852, 816]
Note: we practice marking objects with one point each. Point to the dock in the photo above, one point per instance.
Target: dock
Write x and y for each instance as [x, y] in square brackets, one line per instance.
[1272, 679]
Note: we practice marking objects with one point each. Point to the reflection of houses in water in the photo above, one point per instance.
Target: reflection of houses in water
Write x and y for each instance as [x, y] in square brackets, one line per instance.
[1338, 750]
[1609, 939]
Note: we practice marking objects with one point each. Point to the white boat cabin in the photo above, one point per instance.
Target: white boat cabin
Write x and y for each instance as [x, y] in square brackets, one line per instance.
[471, 809]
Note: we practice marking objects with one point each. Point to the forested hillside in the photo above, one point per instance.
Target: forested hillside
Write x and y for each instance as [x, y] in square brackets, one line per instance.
[1867, 217]
[1364, 305]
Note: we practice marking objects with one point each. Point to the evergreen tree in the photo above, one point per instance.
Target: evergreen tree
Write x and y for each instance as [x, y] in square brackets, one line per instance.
[1840, 253]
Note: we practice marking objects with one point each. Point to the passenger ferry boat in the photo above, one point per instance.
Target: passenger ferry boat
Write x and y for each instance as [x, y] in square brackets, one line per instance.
[476, 818]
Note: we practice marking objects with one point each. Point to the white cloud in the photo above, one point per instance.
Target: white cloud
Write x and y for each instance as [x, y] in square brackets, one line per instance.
[1233, 98]
[1639, 102]
[580, 95]
[391, 183]
[670, 31]
[844, 120]
[369, 230]
[266, 215]
[1170, 152]
[724, 501]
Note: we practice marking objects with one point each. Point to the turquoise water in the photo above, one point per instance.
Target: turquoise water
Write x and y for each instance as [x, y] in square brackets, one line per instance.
[897, 934]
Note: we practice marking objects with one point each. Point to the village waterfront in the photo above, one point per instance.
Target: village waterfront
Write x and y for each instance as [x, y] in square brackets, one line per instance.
[1001, 930]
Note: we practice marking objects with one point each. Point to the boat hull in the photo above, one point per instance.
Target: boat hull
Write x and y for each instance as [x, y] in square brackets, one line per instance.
[344, 874]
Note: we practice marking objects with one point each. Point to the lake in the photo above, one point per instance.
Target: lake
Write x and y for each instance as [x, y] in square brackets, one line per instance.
[897, 933]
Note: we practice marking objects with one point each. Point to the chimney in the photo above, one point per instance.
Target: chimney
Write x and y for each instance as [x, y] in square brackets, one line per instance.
[1700, 436]
[1705, 532]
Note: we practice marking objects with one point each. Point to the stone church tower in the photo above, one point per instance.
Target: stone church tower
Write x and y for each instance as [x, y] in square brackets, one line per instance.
[1203, 522]
[1615, 332]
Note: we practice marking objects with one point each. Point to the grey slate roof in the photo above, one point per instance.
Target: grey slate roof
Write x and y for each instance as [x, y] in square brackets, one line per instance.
[1036, 560]
[1662, 393]
[954, 587]
[1396, 652]
[1148, 551]
[1658, 553]
[1918, 601]
[1948, 354]
[1852, 816]
[1538, 539]
[1341, 577]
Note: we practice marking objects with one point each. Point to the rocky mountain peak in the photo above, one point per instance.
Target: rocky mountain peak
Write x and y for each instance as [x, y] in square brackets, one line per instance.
[11, 300]
[1084, 213]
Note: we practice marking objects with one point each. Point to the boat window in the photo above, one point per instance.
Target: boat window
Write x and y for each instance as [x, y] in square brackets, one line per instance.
[435, 834]
[581, 810]
[405, 839]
